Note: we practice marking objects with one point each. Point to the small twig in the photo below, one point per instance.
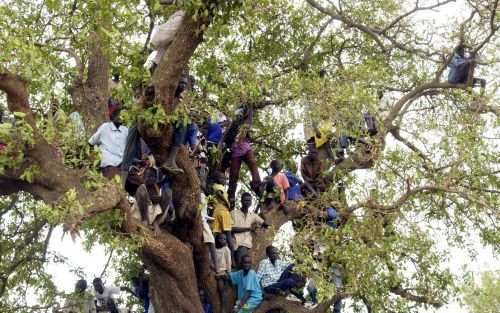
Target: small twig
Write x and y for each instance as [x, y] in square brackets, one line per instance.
[107, 264]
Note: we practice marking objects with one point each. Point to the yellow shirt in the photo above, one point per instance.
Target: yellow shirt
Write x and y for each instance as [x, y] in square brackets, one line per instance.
[222, 218]
[324, 131]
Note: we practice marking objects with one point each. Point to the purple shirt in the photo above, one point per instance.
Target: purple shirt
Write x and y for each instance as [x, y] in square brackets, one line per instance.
[240, 149]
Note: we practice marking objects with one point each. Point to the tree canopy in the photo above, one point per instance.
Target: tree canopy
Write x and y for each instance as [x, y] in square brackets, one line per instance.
[429, 177]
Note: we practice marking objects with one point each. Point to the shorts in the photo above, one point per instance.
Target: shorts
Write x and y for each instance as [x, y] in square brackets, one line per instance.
[208, 237]
[223, 221]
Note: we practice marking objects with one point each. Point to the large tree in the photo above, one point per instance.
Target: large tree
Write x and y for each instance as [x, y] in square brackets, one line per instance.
[430, 176]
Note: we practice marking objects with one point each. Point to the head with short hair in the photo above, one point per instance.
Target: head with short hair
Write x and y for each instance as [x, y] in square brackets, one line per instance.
[115, 115]
[312, 154]
[272, 253]
[275, 166]
[182, 85]
[98, 285]
[81, 285]
[220, 240]
[246, 262]
[150, 176]
[460, 50]
[246, 201]
[220, 178]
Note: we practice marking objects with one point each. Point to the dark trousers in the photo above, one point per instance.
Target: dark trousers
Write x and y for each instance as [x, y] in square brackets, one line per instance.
[234, 172]
[110, 171]
[463, 72]
[287, 280]
[178, 135]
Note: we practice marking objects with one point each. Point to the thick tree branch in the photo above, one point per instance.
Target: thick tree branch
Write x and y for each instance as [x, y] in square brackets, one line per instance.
[414, 10]
[415, 93]
[372, 32]
[409, 296]
[303, 64]
[403, 199]
[73, 54]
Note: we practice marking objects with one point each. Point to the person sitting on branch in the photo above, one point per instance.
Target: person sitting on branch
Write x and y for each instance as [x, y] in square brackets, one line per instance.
[277, 276]
[81, 301]
[310, 168]
[151, 206]
[460, 66]
[249, 290]
[102, 293]
[275, 187]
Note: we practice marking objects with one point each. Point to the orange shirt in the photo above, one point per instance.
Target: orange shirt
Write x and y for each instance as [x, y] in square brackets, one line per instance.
[281, 181]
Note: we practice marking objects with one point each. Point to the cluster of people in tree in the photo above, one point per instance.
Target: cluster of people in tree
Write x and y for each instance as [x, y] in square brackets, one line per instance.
[229, 239]
[214, 148]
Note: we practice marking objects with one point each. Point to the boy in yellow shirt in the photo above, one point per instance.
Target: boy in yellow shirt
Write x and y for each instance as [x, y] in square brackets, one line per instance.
[222, 219]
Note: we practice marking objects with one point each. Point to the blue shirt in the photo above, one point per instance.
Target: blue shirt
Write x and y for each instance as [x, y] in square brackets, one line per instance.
[292, 179]
[333, 214]
[143, 295]
[455, 62]
[250, 282]
[214, 132]
[207, 308]
[191, 135]
[294, 192]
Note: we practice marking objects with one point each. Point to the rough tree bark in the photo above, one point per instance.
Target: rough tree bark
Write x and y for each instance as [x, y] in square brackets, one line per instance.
[90, 98]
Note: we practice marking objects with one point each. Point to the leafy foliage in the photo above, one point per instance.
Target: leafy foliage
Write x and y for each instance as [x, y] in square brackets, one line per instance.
[433, 174]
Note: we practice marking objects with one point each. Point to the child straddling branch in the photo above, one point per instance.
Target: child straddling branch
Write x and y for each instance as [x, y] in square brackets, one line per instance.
[151, 205]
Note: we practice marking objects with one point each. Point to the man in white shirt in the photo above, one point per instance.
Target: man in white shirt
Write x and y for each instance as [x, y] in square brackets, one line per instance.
[80, 301]
[111, 138]
[102, 293]
[244, 223]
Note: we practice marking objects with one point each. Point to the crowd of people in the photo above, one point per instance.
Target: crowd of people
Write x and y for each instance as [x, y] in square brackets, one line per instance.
[215, 148]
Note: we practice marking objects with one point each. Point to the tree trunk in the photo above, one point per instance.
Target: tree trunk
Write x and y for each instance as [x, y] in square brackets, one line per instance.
[90, 98]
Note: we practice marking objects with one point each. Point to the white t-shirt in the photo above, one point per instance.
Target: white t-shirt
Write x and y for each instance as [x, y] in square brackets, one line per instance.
[151, 308]
[111, 142]
[165, 33]
[108, 292]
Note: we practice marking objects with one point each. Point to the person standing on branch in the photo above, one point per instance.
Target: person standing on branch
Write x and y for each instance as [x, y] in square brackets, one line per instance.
[237, 139]
[179, 133]
[244, 223]
[111, 138]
